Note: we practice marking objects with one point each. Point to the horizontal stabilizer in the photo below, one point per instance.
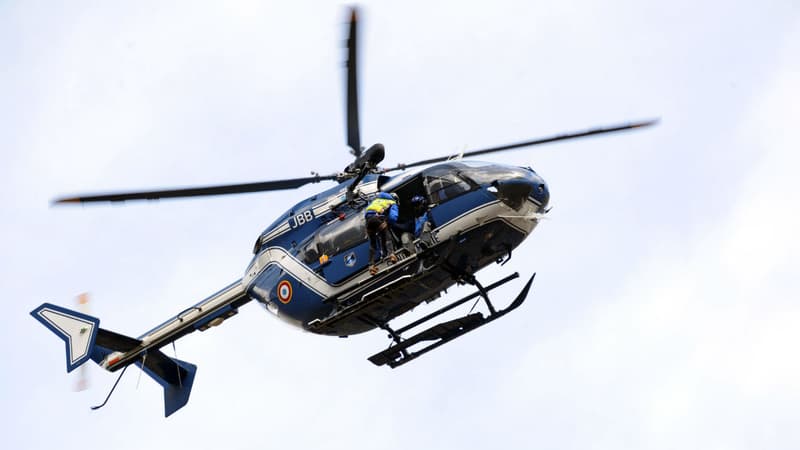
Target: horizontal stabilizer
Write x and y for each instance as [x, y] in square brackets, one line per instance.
[77, 330]
[108, 342]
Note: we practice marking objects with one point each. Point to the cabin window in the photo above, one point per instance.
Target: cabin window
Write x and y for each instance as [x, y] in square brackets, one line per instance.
[308, 253]
[341, 235]
[333, 238]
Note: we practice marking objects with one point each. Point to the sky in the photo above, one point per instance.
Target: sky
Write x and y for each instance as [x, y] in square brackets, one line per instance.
[665, 308]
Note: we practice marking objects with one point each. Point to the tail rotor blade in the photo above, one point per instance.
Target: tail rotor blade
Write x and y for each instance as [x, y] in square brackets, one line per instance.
[82, 380]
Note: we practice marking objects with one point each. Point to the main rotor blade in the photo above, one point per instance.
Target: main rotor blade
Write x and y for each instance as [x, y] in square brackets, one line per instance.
[353, 136]
[274, 185]
[546, 140]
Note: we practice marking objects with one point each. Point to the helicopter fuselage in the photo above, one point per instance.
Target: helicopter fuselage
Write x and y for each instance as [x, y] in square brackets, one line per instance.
[314, 259]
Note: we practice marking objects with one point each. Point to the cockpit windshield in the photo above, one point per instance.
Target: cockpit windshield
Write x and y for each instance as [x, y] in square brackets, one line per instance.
[492, 172]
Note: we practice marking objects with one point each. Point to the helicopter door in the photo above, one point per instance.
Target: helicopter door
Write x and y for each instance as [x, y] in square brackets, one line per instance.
[405, 193]
[448, 194]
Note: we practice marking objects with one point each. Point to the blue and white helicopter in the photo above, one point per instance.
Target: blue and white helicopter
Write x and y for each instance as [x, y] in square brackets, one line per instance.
[311, 266]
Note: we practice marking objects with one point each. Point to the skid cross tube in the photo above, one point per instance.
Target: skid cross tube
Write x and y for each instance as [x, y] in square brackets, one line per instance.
[483, 292]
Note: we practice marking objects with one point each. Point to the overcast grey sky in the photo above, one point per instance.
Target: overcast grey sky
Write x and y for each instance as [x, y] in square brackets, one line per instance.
[665, 310]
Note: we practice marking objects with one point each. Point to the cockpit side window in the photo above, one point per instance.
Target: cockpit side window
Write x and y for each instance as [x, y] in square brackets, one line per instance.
[443, 185]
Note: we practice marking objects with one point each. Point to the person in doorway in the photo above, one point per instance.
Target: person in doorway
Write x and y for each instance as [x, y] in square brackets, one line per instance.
[380, 214]
[414, 228]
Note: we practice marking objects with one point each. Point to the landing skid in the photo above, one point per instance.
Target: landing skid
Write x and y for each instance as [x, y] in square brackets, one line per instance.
[399, 351]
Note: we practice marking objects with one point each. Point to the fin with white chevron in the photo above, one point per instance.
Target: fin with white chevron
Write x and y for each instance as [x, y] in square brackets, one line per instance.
[77, 330]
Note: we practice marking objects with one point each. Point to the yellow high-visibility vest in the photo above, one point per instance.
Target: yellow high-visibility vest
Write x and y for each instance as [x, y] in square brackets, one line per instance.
[380, 205]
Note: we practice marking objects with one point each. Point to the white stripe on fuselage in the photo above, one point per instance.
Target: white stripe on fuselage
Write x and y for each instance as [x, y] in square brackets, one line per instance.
[282, 258]
[487, 212]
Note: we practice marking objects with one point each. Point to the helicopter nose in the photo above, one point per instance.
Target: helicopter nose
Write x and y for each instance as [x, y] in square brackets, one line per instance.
[541, 193]
[515, 191]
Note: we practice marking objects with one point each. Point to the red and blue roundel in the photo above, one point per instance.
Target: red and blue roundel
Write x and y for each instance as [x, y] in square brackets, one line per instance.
[285, 292]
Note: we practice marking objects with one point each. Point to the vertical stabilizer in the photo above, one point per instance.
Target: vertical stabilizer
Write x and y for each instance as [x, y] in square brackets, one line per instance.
[174, 375]
[77, 330]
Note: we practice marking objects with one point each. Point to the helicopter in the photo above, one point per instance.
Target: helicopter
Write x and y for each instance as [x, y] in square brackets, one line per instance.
[311, 267]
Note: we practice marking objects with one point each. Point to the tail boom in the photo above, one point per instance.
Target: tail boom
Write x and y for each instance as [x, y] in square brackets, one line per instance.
[201, 316]
[85, 340]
